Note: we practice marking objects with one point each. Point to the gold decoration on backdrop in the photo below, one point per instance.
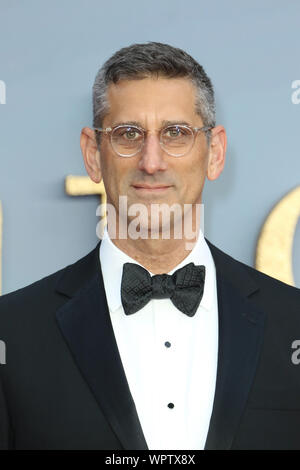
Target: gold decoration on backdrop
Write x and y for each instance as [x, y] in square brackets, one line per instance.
[274, 252]
[84, 186]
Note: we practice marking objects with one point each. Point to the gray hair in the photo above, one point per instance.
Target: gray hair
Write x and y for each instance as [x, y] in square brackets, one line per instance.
[153, 58]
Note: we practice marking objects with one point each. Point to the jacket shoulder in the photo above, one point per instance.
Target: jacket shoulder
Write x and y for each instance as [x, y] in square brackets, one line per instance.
[44, 289]
[266, 281]
[234, 268]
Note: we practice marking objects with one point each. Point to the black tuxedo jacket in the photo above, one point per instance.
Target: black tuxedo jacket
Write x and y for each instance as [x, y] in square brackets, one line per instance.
[63, 385]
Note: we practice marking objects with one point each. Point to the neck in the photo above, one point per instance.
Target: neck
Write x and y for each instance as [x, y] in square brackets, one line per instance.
[157, 256]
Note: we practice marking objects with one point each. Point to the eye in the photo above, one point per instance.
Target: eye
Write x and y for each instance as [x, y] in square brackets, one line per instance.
[174, 132]
[129, 133]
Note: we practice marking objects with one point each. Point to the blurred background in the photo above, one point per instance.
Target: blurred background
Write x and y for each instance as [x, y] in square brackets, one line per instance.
[50, 53]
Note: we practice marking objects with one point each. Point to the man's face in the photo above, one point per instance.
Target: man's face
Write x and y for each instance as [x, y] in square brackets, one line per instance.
[150, 102]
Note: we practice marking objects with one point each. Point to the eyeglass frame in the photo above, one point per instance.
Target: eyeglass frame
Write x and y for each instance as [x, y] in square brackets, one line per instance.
[195, 130]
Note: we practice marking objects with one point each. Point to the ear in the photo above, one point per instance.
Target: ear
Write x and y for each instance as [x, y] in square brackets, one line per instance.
[91, 154]
[217, 151]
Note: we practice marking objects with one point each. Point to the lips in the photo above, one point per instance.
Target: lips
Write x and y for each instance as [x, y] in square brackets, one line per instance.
[150, 187]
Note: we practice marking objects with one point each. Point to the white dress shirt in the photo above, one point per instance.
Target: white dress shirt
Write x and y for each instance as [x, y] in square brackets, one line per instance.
[169, 358]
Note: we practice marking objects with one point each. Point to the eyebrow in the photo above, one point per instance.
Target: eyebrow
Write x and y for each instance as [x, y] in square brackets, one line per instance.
[164, 123]
[127, 123]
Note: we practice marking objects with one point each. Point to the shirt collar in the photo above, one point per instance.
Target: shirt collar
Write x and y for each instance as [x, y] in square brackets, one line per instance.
[112, 260]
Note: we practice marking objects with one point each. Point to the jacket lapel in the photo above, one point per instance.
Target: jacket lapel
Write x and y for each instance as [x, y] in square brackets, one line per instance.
[241, 325]
[85, 324]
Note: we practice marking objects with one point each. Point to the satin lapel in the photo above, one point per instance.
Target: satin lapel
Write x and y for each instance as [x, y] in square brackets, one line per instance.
[85, 324]
[240, 337]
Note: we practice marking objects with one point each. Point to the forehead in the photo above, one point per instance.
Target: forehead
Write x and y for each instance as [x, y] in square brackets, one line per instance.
[152, 100]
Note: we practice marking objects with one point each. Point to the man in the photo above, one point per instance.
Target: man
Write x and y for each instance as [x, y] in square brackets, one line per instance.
[156, 341]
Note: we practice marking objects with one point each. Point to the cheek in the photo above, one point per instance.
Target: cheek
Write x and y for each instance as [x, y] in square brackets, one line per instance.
[109, 175]
[192, 172]
[198, 166]
[192, 178]
[118, 176]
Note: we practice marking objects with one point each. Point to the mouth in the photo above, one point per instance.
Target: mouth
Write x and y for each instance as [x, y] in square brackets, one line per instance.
[147, 188]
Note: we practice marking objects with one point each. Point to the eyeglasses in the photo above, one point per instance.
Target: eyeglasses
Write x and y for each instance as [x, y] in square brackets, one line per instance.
[176, 140]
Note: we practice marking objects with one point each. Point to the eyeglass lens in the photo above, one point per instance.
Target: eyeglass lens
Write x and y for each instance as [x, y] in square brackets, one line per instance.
[175, 140]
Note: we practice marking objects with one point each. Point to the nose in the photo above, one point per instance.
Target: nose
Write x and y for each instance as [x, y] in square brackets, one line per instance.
[152, 155]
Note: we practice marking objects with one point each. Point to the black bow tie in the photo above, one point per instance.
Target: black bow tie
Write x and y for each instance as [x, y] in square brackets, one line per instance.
[184, 287]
